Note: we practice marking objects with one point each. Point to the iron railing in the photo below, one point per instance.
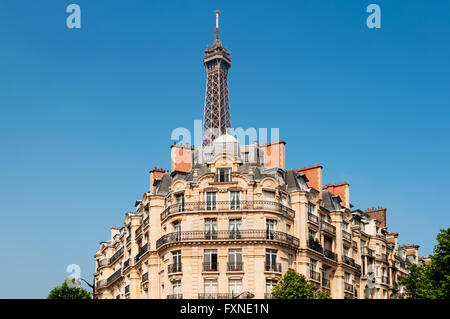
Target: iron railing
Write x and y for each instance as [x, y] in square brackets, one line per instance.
[329, 254]
[228, 235]
[268, 295]
[315, 246]
[313, 218]
[210, 266]
[126, 264]
[116, 256]
[175, 296]
[348, 287]
[228, 205]
[328, 227]
[207, 295]
[145, 222]
[114, 276]
[145, 277]
[235, 266]
[138, 231]
[346, 235]
[314, 275]
[326, 283]
[172, 268]
[142, 251]
[349, 261]
[127, 289]
[272, 267]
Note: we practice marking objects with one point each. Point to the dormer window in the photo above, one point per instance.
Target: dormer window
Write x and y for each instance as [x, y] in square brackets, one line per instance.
[223, 175]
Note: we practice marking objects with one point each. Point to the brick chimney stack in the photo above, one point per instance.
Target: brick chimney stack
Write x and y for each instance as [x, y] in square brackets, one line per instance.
[274, 154]
[314, 175]
[181, 157]
[378, 213]
[342, 190]
[155, 173]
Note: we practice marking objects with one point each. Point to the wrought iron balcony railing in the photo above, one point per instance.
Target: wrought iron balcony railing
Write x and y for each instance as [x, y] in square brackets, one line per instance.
[207, 295]
[114, 276]
[175, 296]
[138, 231]
[329, 254]
[116, 256]
[348, 287]
[235, 266]
[145, 222]
[313, 218]
[227, 235]
[145, 277]
[173, 268]
[328, 227]
[314, 275]
[349, 261]
[210, 266]
[126, 264]
[272, 267]
[326, 283]
[346, 235]
[129, 239]
[228, 205]
[315, 246]
[127, 289]
[142, 251]
[268, 295]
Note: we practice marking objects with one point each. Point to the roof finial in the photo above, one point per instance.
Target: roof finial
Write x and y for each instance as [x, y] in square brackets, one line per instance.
[217, 24]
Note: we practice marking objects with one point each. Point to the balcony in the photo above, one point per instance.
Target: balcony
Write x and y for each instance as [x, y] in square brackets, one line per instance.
[243, 205]
[315, 245]
[114, 276]
[100, 284]
[325, 226]
[236, 266]
[314, 275]
[349, 261]
[174, 268]
[223, 235]
[142, 251]
[138, 231]
[313, 218]
[145, 222]
[175, 296]
[127, 289]
[368, 252]
[128, 239]
[144, 277]
[329, 254]
[116, 256]
[348, 287]
[215, 296]
[126, 264]
[346, 235]
[102, 263]
[210, 266]
[276, 267]
[326, 283]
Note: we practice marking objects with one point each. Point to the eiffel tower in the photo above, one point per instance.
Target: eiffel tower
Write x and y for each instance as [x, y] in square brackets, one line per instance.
[216, 115]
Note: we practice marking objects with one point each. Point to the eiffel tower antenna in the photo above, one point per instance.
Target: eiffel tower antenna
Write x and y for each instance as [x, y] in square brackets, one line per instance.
[216, 114]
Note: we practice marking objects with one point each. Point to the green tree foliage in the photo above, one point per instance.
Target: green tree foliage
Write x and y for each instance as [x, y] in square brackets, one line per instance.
[431, 281]
[65, 291]
[295, 286]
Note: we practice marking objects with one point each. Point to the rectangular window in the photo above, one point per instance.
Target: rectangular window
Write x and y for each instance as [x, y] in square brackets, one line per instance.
[210, 260]
[235, 228]
[234, 287]
[347, 277]
[177, 229]
[210, 228]
[210, 200]
[176, 287]
[270, 228]
[234, 260]
[271, 260]
[176, 261]
[270, 283]
[235, 198]
[246, 157]
[180, 202]
[210, 288]
[223, 175]
[290, 259]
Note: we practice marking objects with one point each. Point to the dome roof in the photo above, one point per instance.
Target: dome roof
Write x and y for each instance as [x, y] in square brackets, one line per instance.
[225, 138]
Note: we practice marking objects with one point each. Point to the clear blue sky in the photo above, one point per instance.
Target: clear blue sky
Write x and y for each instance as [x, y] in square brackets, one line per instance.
[85, 114]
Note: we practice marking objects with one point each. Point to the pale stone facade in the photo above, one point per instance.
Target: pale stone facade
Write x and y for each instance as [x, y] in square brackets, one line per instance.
[231, 223]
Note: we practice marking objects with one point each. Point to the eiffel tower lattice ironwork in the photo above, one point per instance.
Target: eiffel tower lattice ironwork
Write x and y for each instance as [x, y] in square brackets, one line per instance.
[216, 115]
